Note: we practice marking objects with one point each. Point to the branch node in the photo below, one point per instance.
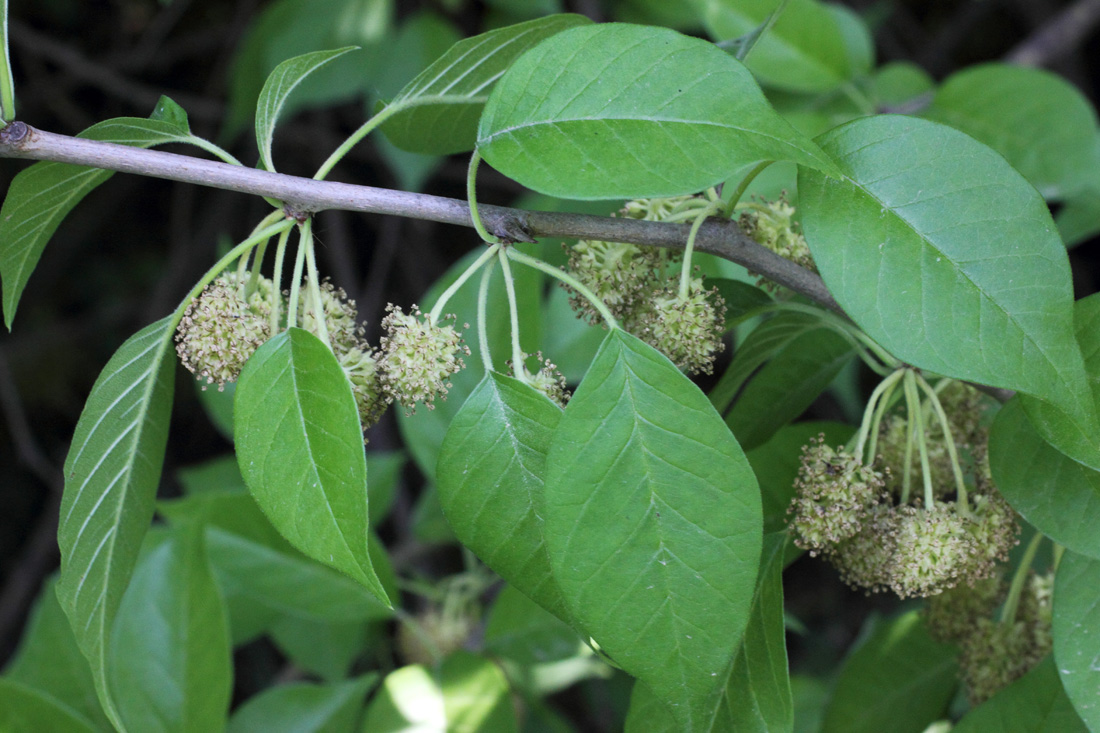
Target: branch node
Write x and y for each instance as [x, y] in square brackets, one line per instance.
[14, 133]
[510, 229]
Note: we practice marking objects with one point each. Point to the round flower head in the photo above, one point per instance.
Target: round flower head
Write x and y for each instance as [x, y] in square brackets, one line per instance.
[994, 530]
[361, 368]
[933, 552]
[341, 316]
[993, 655]
[221, 329]
[417, 357]
[549, 381]
[864, 560]
[688, 330]
[618, 274]
[835, 492]
[950, 616]
[770, 223]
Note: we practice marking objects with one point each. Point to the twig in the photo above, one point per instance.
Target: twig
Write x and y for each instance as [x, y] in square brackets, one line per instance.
[1059, 36]
[305, 196]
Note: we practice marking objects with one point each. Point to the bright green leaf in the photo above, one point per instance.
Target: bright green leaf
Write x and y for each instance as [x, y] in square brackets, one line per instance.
[300, 449]
[304, 707]
[621, 111]
[805, 51]
[437, 112]
[280, 83]
[950, 261]
[490, 480]
[899, 82]
[43, 194]
[1056, 494]
[467, 694]
[1038, 121]
[24, 709]
[49, 660]
[1076, 642]
[898, 680]
[169, 665]
[1035, 702]
[169, 112]
[111, 477]
[788, 384]
[756, 695]
[323, 649]
[653, 523]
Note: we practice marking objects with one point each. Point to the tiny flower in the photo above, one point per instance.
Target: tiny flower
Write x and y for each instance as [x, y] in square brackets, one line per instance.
[865, 560]
[418, 357]
[950, 616]
[654, 209]
[221, 329]
[772, 225]
[549, 381]
[933, 550]
[618, 274]
[688, 330]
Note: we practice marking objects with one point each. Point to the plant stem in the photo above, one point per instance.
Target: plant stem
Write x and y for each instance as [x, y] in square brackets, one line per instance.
[314, 282]
[568, 280]
[914, 414]
[306, 195]
[471, 198]
[277, 280]
[296, 283]
[440, 304]
[961, 501]
[365, 129]
[1012, 601]
[742, 187]
[868, 412]
[7, 82]
[685, 268]
[519, 369]
[482, 326]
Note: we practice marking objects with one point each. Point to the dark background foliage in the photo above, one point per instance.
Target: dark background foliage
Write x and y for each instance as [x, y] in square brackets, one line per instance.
[132, 250]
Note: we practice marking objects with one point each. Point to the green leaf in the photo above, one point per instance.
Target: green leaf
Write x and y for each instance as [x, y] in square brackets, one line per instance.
[287, 28]
[437, 112]
[323, 649]
[169, 665]
[490, 480]
[111, 476]
[1076, 644]
[540, 653]
[805, 51]
[653, 523]
[467, 694]
[756, 695]
[621, 111]
[899, 82]
[776, 465]
[256, 567]
[783, 388]
[423, 432]
[43, 194]
[170, 113]
[49, 660]
[1035, 702]
[1056, 494]
[304, 707]
[216, 476]
[1037, 120]
[280, 83]
[24, 709]
[300, 449]
[949, 261]
[898, 680]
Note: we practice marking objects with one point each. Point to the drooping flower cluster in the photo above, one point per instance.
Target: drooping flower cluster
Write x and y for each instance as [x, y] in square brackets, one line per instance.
[632, 281]
[418, 357]
[993, 652]
[223, 327]
[548, 380]
[772, 225]
[880, 539]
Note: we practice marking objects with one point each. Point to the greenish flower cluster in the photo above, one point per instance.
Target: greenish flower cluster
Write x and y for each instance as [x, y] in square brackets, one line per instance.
[418, 357]
[548, 380]
[879, 540]
[686, 326]
[222, 328]
[772, 225]
[992, 652]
